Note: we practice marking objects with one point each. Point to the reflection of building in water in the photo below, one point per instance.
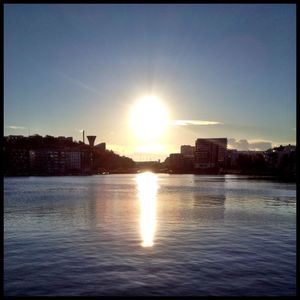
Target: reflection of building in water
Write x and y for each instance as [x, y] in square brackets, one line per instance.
[147, 189]
[209, 198]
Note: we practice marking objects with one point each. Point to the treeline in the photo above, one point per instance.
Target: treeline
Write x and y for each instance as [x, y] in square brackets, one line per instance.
[108, 161]
[251, 164]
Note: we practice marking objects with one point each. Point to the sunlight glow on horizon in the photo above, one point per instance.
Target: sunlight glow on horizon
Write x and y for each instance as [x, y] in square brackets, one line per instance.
[238, 82]
[147, 189]
[151, 148]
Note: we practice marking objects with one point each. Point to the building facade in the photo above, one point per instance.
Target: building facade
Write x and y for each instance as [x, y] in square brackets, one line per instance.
[73, 162]
[47, 162]
[187, 150]
[210, 153]
[59, 162]
[16, 162]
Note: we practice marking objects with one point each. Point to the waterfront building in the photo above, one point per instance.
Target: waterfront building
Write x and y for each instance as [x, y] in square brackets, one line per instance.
[59, 162]
[73, 162]
[210, 153]
[188, 153]
[232, 158]
[47, 162]
[12, 138]
[187, 150]
[274, 157]
[37, 155]
[16, 161]
[175, 162]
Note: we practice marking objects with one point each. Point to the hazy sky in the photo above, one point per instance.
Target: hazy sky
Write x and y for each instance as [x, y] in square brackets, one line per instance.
[83, 66]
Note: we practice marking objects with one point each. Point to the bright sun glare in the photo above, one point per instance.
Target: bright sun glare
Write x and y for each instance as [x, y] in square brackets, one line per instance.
[147, 189]
[149, 118]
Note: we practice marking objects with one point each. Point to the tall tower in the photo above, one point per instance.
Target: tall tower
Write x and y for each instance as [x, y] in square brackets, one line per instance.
[83, 136]
[91, 139]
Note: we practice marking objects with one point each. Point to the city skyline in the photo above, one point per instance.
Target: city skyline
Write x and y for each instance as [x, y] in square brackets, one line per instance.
[219, 70]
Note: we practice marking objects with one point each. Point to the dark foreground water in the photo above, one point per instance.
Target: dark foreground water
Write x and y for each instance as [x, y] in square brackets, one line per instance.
[149, 234]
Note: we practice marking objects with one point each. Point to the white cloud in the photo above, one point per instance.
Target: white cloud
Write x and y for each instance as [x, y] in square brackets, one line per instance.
[195, 122]
[244, 145]
[15, 127]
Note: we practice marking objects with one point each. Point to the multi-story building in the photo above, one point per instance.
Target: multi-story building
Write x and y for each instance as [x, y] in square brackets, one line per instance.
[47, 162]
[274, 156]
[73, 162]
[35, 155]
[188, 154]
[12, 138]
[63, 138]
[232, 157]
[210, 153]
[187, 150]
[244, 159]
[60, 162]
[16, 162]
[175, 162]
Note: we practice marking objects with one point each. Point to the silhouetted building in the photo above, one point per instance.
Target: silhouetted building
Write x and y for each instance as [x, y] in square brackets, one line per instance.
[232, 156]
[47, 162]
[101, 146]
[16, 162]
[73, 162]
[274, 157]
[91, 139]
[64, 139]
[210, 153]
[12, 138]
[187, 150]
[86, 161]
[188, 153]
[37, 155]
[60, 162]
[175, 162]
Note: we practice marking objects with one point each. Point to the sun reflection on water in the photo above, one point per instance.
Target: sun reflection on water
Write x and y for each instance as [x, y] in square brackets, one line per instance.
[147, 188]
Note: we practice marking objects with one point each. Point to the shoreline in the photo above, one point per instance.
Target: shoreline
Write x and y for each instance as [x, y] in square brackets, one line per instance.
[248, 176]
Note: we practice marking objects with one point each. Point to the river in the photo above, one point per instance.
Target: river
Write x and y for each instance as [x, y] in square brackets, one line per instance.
[149, 234]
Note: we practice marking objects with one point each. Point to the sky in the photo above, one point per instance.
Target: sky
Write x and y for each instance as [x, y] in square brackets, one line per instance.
[220, 70]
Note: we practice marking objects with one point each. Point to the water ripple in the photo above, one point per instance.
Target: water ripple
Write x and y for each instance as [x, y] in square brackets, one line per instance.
[214, 236]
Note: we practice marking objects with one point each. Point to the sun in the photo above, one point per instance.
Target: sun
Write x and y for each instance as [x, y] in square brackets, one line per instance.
[149, 118]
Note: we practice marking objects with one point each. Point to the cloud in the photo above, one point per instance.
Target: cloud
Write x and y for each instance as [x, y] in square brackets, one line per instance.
[15, 127]
[244, 145]
[195, 122]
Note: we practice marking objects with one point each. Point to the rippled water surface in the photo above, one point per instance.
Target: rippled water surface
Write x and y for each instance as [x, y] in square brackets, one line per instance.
[149, 234]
